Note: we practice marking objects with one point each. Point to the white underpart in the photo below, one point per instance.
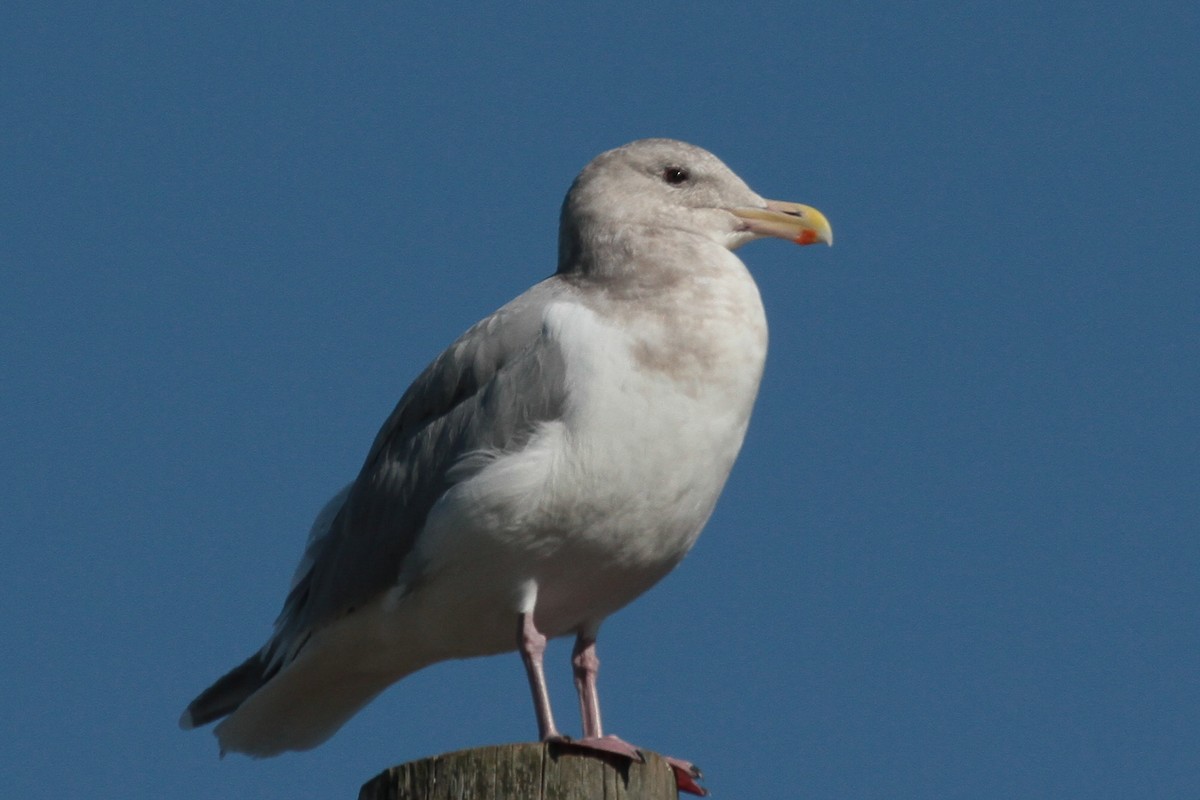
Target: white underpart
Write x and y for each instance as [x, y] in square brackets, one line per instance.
[662, 335]
[591, 513]
[600, 504]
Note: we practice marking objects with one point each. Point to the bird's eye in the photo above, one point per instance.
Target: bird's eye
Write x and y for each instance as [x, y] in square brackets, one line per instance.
[675, 175]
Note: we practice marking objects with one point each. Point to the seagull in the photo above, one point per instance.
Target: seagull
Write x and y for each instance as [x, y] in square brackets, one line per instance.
[554, 463]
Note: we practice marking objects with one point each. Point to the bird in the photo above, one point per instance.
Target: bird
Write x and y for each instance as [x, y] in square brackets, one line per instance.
[552, 464]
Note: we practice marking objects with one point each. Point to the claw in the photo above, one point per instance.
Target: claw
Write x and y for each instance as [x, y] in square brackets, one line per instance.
[686, 775]
[605, 744]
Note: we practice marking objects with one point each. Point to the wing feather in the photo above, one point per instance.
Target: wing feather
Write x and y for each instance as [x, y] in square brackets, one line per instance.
[486, 393]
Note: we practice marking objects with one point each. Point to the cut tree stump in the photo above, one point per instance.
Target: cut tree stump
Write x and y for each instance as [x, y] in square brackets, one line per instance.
[540, 771]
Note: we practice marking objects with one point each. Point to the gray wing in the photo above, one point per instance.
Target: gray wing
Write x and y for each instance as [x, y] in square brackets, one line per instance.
[487, 392]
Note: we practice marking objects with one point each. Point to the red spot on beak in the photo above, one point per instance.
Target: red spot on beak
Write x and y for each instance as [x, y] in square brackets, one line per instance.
[805, 237]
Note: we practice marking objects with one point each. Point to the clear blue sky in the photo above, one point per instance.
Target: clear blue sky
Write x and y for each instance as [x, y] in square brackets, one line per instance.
[958, 556]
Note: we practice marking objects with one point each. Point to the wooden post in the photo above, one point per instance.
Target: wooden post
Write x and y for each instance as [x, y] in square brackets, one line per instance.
[538, 771]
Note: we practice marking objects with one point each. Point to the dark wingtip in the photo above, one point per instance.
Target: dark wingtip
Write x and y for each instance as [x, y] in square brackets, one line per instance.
[224, 696]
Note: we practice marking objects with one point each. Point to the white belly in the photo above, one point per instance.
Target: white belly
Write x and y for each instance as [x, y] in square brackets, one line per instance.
[601, 504]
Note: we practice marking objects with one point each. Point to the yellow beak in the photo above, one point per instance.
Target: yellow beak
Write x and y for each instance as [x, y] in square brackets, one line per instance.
[792, 221]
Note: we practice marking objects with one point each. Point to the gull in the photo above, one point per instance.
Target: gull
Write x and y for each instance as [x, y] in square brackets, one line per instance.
[554, 463]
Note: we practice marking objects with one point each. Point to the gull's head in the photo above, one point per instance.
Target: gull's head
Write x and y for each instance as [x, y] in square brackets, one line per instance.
[659, 185]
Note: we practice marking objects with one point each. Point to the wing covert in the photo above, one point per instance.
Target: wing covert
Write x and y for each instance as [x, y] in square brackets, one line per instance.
[487, 392]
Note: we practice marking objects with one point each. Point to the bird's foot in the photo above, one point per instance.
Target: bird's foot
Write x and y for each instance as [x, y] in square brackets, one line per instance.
[601, 744]
[610, 744]
[686, 773]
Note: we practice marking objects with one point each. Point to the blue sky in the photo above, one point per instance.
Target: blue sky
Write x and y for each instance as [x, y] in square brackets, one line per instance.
[958, 556]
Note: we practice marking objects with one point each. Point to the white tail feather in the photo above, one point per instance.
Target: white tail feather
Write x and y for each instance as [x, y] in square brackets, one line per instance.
[338, 671]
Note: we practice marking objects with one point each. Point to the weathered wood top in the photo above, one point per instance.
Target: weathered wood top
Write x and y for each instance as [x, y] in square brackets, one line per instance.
[538, 771]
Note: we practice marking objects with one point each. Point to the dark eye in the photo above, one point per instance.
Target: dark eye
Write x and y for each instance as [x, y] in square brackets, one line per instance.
[675, 175]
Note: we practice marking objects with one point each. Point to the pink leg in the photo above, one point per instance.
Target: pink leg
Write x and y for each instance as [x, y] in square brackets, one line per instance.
[586, 665]
[532, 645]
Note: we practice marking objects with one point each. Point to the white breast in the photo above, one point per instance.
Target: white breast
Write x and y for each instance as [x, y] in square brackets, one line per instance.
[654, 441]
[605, 501]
